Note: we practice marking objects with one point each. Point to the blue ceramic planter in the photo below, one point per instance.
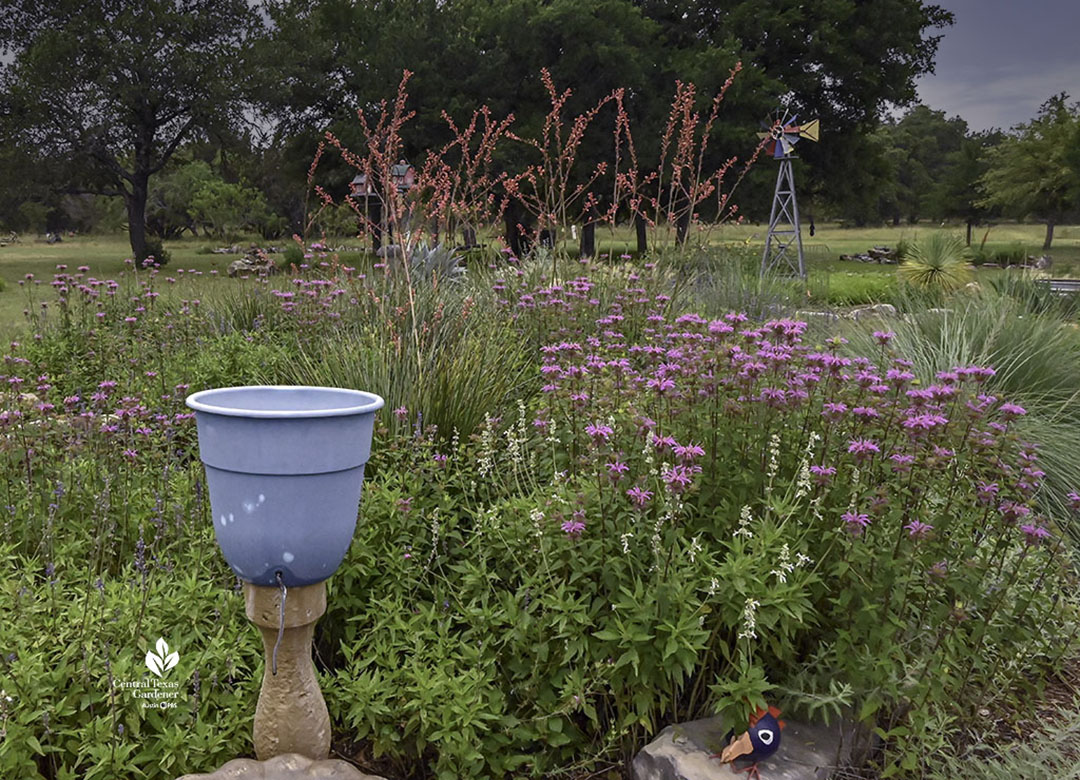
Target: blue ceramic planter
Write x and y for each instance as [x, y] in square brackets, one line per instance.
[284, 466]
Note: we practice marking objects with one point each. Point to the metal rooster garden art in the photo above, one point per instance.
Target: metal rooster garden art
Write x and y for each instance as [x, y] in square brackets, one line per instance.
[755, 744]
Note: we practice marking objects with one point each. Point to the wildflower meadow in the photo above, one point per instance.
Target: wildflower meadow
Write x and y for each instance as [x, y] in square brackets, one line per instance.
[626, 514]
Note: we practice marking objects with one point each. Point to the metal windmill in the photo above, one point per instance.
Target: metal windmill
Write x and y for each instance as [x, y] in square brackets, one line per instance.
[784, 232]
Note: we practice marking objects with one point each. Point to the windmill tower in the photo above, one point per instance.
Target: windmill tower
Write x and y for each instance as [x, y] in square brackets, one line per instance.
[783, 243]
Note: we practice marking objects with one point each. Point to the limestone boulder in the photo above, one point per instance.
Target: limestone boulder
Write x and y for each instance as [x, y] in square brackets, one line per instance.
[254, 263]
[876, 310]
[812, 315]
[684, 751]
[287, 767]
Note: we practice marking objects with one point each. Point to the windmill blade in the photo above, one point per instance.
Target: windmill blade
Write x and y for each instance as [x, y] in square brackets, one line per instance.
[786, 146]
[810, 131]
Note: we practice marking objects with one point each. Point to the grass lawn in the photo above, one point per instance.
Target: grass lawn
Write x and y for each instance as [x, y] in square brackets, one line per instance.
[105, 255]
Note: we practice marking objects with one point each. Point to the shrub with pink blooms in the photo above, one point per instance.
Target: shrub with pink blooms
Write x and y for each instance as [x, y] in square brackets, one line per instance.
[708, 514]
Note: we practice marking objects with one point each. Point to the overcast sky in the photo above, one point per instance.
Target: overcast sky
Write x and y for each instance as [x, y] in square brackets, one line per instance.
[1003, 58]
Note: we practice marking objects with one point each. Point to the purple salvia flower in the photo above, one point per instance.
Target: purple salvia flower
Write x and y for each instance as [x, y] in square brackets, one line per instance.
[898, 378]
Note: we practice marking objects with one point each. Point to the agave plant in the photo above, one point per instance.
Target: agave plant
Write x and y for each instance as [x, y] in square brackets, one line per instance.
[936, 263]
[435, 262]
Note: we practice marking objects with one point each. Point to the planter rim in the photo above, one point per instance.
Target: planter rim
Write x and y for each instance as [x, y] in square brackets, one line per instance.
[217, 401]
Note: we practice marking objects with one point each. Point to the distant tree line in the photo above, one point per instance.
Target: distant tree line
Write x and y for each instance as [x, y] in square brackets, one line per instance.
[929, 167]
[188, 116]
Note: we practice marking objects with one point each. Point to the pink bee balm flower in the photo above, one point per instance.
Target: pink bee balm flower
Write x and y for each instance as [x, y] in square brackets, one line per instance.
[834, 410]
[1011, 511]
[1034, 533]
[574, 526]
[616, 469]
[985, 492]
[917, 529]
[688, 452]
[599, 432]
[863, 449]
[1012, 411]
[856, 522]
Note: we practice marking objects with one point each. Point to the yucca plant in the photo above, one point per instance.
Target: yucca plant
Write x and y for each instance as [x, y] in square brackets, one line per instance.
[937, 264]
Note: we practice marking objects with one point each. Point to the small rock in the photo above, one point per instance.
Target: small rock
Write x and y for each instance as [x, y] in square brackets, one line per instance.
[827, 316]
[684, 752]
[286, 767]
[1043, 262]
[390, 251]
[877, 310]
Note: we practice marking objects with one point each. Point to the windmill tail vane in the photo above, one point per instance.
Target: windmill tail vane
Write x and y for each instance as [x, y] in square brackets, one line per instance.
[783, 243]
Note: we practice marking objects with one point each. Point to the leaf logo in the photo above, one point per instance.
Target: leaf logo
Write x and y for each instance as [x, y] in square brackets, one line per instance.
[161, 661]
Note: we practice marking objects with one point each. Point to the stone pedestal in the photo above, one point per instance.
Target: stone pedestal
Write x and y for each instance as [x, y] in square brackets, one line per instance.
[291, 716]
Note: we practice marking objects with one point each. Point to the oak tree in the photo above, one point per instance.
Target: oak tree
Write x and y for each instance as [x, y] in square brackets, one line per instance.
[113, 88]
